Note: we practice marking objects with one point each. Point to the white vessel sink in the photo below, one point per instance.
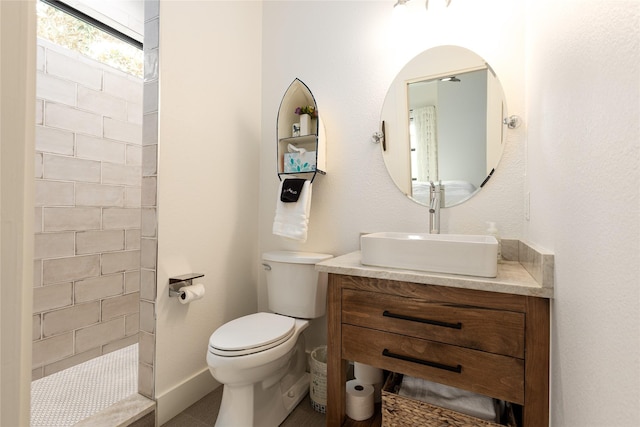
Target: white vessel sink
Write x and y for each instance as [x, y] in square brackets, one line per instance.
[439, 253]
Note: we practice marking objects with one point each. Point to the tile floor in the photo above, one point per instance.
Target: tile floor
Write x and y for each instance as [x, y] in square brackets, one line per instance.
[203, 413]
[69, 396]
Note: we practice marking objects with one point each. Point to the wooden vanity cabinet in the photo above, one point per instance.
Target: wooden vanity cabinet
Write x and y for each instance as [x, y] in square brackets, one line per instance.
[496, 344]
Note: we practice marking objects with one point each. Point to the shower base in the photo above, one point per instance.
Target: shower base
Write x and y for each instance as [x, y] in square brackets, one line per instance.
[95, 390]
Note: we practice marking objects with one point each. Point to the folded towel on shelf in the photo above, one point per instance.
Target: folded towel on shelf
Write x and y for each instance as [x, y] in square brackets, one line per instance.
[455, 399]
[292, 218]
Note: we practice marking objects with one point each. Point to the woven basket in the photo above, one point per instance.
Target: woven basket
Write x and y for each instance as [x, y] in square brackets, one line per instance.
[400, 411]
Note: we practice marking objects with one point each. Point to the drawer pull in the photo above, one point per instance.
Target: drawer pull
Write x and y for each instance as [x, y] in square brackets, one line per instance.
[457, 368]
[427, 321]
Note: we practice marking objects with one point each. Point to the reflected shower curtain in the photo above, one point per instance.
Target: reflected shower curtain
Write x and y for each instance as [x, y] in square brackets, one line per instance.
[424, 121]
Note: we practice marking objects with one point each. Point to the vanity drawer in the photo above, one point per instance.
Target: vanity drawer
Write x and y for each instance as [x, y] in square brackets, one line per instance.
[495, 331]
[494, 375]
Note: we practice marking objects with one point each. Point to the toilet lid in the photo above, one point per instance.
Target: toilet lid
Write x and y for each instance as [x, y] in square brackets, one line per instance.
[251, 334]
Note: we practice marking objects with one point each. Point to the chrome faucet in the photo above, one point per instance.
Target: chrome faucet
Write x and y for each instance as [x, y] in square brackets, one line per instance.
[435, 195]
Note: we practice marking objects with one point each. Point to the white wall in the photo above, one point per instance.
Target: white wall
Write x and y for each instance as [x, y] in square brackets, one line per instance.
[577, 153]
[17, 118]
[583, 118]
[348, 53]
[209, 139]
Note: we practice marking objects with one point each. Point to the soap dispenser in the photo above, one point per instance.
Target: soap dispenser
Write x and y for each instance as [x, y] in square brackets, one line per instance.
[493, 231]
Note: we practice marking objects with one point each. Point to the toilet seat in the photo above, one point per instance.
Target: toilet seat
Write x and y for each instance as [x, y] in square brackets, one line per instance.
[251, 334]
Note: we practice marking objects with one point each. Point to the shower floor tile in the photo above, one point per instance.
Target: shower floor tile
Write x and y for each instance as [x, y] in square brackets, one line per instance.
[67, 397]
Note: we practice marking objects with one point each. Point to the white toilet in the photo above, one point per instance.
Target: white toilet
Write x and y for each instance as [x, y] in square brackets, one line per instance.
[260, 358]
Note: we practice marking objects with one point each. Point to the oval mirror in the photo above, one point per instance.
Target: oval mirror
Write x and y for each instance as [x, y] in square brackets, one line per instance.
[442, 120]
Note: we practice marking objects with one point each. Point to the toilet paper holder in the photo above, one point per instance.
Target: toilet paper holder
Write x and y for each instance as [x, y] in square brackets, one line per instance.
[175, 283]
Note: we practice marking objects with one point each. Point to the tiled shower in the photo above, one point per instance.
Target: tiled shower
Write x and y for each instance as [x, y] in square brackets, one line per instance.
[87, 210]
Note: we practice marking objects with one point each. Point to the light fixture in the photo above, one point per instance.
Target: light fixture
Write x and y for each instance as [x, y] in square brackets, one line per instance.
[450, 79]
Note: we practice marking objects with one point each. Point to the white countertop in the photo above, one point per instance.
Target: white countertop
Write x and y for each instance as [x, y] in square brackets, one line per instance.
[512, 277]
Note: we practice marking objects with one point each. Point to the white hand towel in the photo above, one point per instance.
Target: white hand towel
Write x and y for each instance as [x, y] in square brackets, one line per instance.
[292, 219]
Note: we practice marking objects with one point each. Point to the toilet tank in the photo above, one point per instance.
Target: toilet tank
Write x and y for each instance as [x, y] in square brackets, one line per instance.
[294, 287]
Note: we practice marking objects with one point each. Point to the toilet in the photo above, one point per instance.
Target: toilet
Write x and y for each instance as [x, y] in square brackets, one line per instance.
[260, 358]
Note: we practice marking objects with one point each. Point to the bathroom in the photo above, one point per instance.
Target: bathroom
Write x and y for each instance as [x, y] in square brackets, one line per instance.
[559, 184]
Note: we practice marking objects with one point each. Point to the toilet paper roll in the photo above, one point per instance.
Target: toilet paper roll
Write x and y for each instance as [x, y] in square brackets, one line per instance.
[359, 400]
[191, 293]
[367, 374]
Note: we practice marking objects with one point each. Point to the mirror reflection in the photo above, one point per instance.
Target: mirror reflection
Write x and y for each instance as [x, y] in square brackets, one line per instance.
[443, 123]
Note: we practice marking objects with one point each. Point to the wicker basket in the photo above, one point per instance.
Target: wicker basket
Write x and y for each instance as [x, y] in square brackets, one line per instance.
[400, 411]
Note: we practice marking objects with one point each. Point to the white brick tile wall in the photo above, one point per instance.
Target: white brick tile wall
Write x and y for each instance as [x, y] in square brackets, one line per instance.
[70, 269]
[37, 220]
[132, 324]
[147, 317]
[55, 89]
[70, 219]
[151, 33]
[97, 288]
[132, 197]
[39, 111]
[149, 160]
[132, 239]
[73, 69]
[54, 193]
[70, 169]
[99, 195]
[148, 253]
[132, 282]
[123, 87]
[122, 131]
[148, 191]
[88, 166]
[100, 334]
[134, 155]
[91, 147]
[38, 169]
[121, 343]
[64, 117]
[149, 222]
[120, 305]
[102, 103]
[114, 262]
[147, 284]
[37, 273]
[113, 173]
[146, 348]
[35, 327]
[134, 113]
[116, 218]
[52, 297]
[40, 58]
[151, 64]
[52, 140]
[52, 349]
[150, 128]
[150, 99]
[91, 242]
[71, 318]
[54, 245]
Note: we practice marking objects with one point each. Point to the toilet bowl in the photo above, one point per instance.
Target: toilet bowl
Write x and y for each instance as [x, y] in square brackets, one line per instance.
[260, 358]
[255, 378]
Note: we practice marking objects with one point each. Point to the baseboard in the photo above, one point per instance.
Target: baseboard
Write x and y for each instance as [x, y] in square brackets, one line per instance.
[185, 394]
